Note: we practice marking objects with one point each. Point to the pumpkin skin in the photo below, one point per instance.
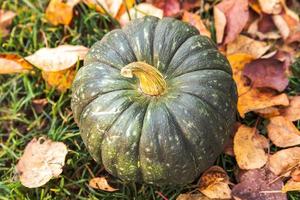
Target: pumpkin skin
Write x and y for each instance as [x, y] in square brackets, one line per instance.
[165, 139]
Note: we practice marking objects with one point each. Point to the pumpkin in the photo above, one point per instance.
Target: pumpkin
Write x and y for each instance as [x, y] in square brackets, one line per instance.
[155, 101]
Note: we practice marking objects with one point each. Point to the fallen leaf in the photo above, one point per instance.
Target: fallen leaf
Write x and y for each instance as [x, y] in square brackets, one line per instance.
[196, 21]
[214, 183]
[6, 18]
[169, 7]
[282, 132]
[268, 112]
[291, 185]
[283, 161]
[236, 14]
[102, 184]
[39, 104]
[61, 80]
[292, 112]
[271, 6]
[266, 24]
[139, 11]
[60, 11]
[253, 30]
[281, 25]
[42, 159]
[258, 184]
[267, 72]
[12, 63]
[197, 196]
[57, 59]
[190, 4]
[249, 147]
[244, 44]
[296, 174]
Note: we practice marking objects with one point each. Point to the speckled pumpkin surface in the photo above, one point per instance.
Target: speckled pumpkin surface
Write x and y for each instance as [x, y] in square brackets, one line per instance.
[164, 125]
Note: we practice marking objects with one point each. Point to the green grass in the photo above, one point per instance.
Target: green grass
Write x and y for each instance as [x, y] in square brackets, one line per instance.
[20, 122]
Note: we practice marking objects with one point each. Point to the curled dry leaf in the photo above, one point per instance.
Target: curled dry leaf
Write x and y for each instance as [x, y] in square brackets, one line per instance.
[196, 21]
[236, 14]
[60, 11]
[258, 184]
[249, 147]
[282, 132]
[267, 72]
[292, 112]
[139, 11]
[214, 183]
[198, 196]
[102, 184]
[291, 185]
[12, 63]
[6, 18]
[244, 44]
[57, 59]
[284, 161]
[271, 6]
[42, 159]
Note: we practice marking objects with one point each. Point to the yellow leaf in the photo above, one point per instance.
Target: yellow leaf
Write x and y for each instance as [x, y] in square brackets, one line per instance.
[249, 147]
[282, 132]
[12, 63]
[102, 184]
[214, 183]
[60, 11]
[61, 80]
[42, 159]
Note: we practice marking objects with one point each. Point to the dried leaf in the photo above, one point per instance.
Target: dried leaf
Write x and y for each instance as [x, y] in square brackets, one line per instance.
[12, 63]
[268, 112]
[39, 104]
[292, 112]
[266, 24]
[169, 7]
[196, 21]
[271, 6]
[291, 185]
[220, 24]
[236, 13]
[214, 183]
[6, 18]
[253, 31]
[57, 59]
[102, 184]
[258, 184]
[198, 196]
[191, 4]
[60, 11]
[244, 44]
[248, 148]
[281, 25]
[267, 72]
[283, 161]
[296, 174]
[42, 159]
[282, 132]
[139, 11]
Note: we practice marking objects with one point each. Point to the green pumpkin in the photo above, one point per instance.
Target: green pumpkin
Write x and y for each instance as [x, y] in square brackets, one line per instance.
[155, 101]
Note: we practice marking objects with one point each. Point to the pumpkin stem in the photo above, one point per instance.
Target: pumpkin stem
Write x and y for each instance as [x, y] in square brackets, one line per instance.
[151, 80]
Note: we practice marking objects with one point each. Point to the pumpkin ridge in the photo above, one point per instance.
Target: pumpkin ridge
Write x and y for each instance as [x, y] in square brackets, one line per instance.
[130, 45]
[210, 69]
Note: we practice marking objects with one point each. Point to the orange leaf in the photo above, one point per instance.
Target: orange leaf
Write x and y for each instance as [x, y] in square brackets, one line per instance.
[12, 63]
[291, 185]
[282, 132]
[248, 148]
[292, 112]
[61, 80]
[196, 21]
[102, 184]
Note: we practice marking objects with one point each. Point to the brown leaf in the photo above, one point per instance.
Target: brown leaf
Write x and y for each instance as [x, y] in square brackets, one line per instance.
[214, 183]
[248, 148]
[282, 132]
[244, 44]
[12, 63]
[197, 196]
[42, 159]
[39, 104]
[268, 112]
[196, 21]
[266, 24]
[57, 59]
[191, 4]
[6, 18]
[258, 184]
[139, 11]
[253, 30]
[283, 161]
[60, 11]
[102, 184]
[271, 6]
[236, 13]
[292, 112]
[296, 174]
[291, 185]
[267, 72]
[169, 7]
